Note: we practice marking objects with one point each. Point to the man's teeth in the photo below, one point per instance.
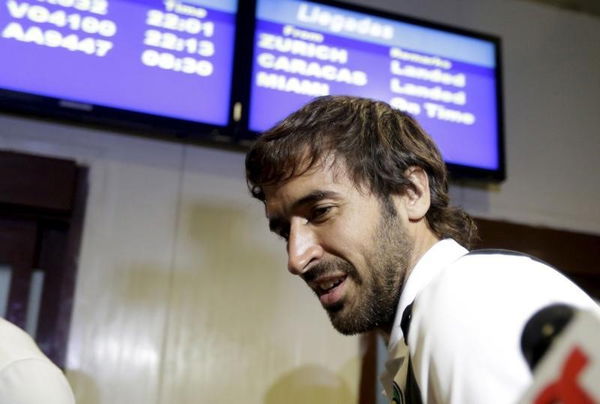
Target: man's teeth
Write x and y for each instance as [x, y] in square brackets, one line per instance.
[329, 285]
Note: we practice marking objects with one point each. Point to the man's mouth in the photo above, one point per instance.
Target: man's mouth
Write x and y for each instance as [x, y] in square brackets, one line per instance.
[330, 289]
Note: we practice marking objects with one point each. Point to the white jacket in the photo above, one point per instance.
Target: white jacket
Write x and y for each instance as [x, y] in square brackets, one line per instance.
[27, 376]
[467, 320]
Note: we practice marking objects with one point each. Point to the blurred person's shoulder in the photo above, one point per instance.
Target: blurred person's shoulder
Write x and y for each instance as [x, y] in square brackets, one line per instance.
[26, 374]
[16, 344]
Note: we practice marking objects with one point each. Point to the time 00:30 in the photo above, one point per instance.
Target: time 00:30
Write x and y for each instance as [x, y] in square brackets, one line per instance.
[168, 61]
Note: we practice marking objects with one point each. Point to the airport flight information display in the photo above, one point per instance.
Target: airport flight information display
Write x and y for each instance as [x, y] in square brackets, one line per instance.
[446, 80]
[169, 58]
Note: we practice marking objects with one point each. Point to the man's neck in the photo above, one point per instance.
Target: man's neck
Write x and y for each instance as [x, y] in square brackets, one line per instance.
[423, 240]
[422, 243]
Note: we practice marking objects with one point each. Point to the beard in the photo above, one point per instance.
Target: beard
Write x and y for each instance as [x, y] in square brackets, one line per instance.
[374, 300]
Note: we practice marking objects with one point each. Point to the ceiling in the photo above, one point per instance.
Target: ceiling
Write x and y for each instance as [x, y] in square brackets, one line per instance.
[585, 6]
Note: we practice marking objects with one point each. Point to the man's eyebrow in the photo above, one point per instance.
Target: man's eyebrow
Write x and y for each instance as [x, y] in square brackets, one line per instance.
[276, 222]
[313, 197]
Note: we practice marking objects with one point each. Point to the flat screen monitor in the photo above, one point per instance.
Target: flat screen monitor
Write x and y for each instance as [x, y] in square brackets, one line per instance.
[448, 79]
[170, 58]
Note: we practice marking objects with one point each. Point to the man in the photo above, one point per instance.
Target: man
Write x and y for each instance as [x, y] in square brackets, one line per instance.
[359, 193]
[27, 376]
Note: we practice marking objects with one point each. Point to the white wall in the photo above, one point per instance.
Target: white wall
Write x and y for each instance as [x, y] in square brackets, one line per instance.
[551, 62]
[181, 294]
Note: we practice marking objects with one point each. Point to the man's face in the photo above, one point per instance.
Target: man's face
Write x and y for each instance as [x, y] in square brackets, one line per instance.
[349, 246]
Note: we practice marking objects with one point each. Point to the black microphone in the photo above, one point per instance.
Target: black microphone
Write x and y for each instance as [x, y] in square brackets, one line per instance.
[541, 330]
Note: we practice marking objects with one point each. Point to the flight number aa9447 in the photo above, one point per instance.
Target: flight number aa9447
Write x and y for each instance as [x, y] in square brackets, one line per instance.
[55, 39]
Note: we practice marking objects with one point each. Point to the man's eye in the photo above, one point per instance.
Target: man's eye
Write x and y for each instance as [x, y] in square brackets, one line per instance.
[319, 212]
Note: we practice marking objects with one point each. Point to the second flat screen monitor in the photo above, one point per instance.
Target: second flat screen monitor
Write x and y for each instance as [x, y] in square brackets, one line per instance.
[447, 80]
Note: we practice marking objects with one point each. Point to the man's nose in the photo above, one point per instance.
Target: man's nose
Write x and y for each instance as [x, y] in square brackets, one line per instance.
[303, 247]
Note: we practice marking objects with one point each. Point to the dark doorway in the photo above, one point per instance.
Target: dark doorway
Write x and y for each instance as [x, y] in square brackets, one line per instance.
[42, 203]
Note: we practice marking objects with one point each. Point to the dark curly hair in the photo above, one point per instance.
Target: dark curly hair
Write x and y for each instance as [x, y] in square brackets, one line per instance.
[377, 144]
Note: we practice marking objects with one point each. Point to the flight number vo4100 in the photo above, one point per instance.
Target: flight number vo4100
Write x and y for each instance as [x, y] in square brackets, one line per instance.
[74, 21]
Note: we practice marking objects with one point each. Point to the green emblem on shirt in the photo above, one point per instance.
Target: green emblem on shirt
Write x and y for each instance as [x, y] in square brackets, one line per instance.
[397, 396]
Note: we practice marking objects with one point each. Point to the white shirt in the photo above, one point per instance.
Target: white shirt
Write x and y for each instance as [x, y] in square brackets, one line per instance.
[27, 376]
[467, 320]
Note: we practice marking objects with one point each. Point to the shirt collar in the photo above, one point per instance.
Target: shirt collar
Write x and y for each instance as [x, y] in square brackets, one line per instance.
[442, 254]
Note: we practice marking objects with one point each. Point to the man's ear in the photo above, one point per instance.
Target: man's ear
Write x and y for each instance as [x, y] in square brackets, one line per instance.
[417, 198]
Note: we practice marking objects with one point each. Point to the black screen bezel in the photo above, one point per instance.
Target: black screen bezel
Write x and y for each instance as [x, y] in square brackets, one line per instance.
[236, 132]
[457, 171]
[131, 121]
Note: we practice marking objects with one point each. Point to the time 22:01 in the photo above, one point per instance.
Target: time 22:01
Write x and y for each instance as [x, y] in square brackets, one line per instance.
[194, 26]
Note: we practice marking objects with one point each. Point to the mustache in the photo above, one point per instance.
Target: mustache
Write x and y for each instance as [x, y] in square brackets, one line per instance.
[330, 267]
